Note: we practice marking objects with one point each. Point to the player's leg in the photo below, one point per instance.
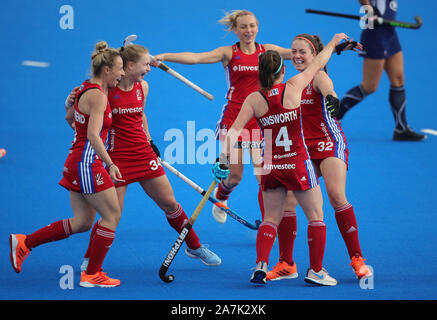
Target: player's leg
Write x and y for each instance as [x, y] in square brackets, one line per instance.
[311, 201]
[372, 72]
[256, 154]
[161, 192]
[258, 171]
[21, 245]
[235, 175]
[395, 71]
[82, 221]
[287, 230]
[334, 172]
[257, 159]
[274, 200]
[225, 187]
[107, 205]
[121, 191]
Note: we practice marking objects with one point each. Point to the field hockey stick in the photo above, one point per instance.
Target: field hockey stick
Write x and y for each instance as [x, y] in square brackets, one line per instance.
[379, 20]
[216, 202]
[129, 39]
[181, 238]
[180, 77]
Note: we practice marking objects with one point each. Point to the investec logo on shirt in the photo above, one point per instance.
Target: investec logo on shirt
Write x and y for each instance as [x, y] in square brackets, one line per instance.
[245, 68]
[307, 101]
[121, 110]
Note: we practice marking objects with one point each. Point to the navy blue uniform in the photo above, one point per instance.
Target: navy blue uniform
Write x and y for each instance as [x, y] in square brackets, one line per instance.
[381, 42]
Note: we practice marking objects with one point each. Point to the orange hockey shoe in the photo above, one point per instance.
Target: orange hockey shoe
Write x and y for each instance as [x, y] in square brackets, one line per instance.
[99, 279]
[282, 270]
[19, 251]
[360, 268]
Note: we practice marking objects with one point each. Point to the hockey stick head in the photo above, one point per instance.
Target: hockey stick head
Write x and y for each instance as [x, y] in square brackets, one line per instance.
[407, 25]
[418, 22]
[164, 277]
[129, 39]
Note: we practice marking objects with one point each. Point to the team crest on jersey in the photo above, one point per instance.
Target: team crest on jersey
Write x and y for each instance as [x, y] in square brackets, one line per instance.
[273, 92]
[309, 89]
[99, 179]
[139, 95]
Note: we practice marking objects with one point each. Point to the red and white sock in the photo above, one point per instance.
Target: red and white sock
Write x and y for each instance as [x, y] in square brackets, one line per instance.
[223, 192]
[287, 231]
[316, 243]
[178, 219]
[101, 242]
[53, 232]
[93, 232]
[264, 240]
[347, 224]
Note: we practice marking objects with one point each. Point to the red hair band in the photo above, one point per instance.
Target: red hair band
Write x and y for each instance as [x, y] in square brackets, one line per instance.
[309, 41]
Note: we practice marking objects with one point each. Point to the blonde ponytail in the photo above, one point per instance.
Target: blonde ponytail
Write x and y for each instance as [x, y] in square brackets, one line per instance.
[230, 18]
[102, 56]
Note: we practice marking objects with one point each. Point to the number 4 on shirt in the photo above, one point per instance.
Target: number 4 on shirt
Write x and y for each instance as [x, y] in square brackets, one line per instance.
[282, 139]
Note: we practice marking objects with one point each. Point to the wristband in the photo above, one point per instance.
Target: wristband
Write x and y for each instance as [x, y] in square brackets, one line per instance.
[67, 105]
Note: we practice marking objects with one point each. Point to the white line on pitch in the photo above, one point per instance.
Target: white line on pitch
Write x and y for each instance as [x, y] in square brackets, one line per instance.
[38, 64]
[430, 131]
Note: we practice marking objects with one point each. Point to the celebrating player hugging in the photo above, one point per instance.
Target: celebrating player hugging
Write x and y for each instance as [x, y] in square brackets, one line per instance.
[290, 129]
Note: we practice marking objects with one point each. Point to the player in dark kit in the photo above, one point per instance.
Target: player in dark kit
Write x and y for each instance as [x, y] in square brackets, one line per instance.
[382, 51]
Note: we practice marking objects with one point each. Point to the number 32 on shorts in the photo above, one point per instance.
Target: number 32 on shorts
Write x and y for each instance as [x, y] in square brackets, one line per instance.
[325, 146]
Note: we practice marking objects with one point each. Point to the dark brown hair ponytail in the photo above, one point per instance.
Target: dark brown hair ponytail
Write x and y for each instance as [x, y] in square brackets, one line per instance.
[270, 67]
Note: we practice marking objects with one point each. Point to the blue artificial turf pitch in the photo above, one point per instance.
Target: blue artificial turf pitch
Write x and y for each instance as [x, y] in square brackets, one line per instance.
[390, 184]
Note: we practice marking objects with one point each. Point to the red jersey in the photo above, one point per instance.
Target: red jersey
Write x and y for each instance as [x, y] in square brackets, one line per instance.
[285, 160]
[81, 148]
[242, 73]
[83, 170]
[127, 136]
[323, 134]
[242, 80]
[129, 147]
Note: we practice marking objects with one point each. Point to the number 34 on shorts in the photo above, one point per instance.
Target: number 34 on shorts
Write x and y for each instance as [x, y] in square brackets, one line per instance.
[154, 165]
